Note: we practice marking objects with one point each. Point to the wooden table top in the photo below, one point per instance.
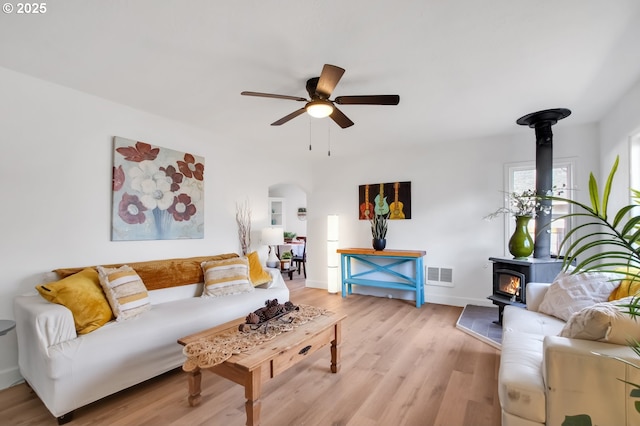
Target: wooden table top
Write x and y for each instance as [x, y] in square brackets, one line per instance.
[272, 348]
[386, 252]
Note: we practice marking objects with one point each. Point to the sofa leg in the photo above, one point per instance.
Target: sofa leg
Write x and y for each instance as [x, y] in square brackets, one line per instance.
[65, 418]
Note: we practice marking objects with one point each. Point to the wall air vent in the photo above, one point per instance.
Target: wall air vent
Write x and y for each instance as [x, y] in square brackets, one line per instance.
[446, 275]
[433, 274]
[442, 277]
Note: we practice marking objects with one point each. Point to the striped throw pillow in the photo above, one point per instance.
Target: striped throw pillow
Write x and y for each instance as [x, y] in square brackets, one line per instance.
[125, 291]
[225, 277]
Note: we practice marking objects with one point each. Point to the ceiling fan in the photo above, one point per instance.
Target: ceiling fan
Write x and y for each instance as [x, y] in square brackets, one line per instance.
[319, 105]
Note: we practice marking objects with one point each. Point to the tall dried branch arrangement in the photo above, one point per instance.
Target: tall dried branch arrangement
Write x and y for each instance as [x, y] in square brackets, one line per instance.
[243, 219]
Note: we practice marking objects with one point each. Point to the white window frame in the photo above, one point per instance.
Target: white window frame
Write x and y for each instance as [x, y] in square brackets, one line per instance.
[634, 163]
[510, 168]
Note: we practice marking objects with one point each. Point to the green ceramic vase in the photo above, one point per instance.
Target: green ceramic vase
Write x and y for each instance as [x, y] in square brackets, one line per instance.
[521, 243]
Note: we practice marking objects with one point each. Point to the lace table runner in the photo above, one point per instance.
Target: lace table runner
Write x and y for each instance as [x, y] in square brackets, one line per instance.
[214, 350]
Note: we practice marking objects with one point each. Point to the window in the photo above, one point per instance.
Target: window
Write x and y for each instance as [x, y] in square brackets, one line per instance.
[522, 177]
[634, 162]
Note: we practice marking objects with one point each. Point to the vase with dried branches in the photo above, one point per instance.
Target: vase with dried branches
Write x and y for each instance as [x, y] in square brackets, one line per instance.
[243, 219]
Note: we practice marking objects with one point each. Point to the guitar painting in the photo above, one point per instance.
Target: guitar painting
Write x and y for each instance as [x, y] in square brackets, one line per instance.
[398, 209]
[381, 206]
[366, 208]
[397, 206]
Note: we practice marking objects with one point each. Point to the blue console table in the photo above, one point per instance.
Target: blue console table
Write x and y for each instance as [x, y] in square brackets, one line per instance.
[386, 263]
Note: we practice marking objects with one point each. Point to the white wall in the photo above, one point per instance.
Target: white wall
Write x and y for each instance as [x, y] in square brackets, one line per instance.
[56, 156]
[454, 185]
[621, 122]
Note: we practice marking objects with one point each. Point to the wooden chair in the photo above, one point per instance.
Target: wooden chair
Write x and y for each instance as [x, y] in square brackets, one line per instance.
[301, 261]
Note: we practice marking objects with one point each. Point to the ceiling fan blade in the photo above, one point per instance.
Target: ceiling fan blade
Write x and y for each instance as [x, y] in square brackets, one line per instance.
[271, 95]
[291, 116]
[368, 100]
[340, 119]
[329, 78]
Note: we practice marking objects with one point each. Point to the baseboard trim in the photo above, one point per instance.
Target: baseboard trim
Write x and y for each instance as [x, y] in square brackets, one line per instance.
[10, 377]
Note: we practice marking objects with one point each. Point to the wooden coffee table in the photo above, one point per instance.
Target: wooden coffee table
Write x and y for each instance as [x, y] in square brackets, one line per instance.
[253, 368]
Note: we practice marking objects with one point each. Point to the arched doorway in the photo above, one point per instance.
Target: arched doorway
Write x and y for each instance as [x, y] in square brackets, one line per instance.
[293, 199]
[287, 207]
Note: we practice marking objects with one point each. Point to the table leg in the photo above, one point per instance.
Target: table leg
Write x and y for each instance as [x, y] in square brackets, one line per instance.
[336, 348]
[195, 379]
[252, 391]
[419, 264]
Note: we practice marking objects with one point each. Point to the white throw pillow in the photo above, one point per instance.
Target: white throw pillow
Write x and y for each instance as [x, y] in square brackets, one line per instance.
[569, 293]
[607, 322]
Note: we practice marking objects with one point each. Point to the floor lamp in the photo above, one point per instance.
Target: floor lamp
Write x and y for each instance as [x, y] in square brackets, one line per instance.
[272, 237]
[332, 255]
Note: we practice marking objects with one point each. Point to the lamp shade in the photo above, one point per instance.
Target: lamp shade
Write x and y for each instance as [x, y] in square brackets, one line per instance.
[272, 236]
[319, 108]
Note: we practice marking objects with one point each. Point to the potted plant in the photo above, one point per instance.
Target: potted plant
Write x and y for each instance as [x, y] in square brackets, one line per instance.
[616, 243]
[606, 246]
[285, 260]
[379, 231]
[288, 236]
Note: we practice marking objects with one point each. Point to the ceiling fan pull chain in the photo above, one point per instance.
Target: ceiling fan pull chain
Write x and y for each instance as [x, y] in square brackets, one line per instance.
[310, 133]
[328, 139]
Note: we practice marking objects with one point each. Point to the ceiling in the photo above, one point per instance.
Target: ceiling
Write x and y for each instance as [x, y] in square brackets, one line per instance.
[462, 68]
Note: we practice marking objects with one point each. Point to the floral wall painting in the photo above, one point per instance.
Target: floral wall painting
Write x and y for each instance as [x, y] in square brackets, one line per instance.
[158, 193]
[392, 199]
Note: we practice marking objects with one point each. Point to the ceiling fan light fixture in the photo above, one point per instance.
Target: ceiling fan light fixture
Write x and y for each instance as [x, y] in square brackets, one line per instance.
[319, 108]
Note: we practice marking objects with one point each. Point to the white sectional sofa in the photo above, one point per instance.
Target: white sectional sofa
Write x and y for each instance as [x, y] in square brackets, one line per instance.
[544, 378]
[68, 371]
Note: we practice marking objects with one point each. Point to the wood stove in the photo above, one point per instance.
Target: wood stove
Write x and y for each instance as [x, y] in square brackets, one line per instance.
[511, 276]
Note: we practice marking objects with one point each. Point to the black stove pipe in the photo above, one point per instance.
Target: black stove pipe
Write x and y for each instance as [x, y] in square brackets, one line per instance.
[542, 121]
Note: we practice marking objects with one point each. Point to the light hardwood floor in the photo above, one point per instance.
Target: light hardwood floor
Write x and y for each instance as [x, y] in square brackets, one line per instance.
[400, 366]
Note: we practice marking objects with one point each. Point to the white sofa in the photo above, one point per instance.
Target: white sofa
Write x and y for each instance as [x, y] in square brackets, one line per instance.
[68, 371]
[544, 377]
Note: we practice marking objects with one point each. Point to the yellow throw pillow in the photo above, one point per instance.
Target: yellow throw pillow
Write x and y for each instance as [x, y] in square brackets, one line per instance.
[125, 291]
[629, 286]
[82, 295]
[225, 277]
[257, 275]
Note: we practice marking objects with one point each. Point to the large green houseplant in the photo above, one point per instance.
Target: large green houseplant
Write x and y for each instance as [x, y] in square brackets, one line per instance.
[607, 245]
[604, 243]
